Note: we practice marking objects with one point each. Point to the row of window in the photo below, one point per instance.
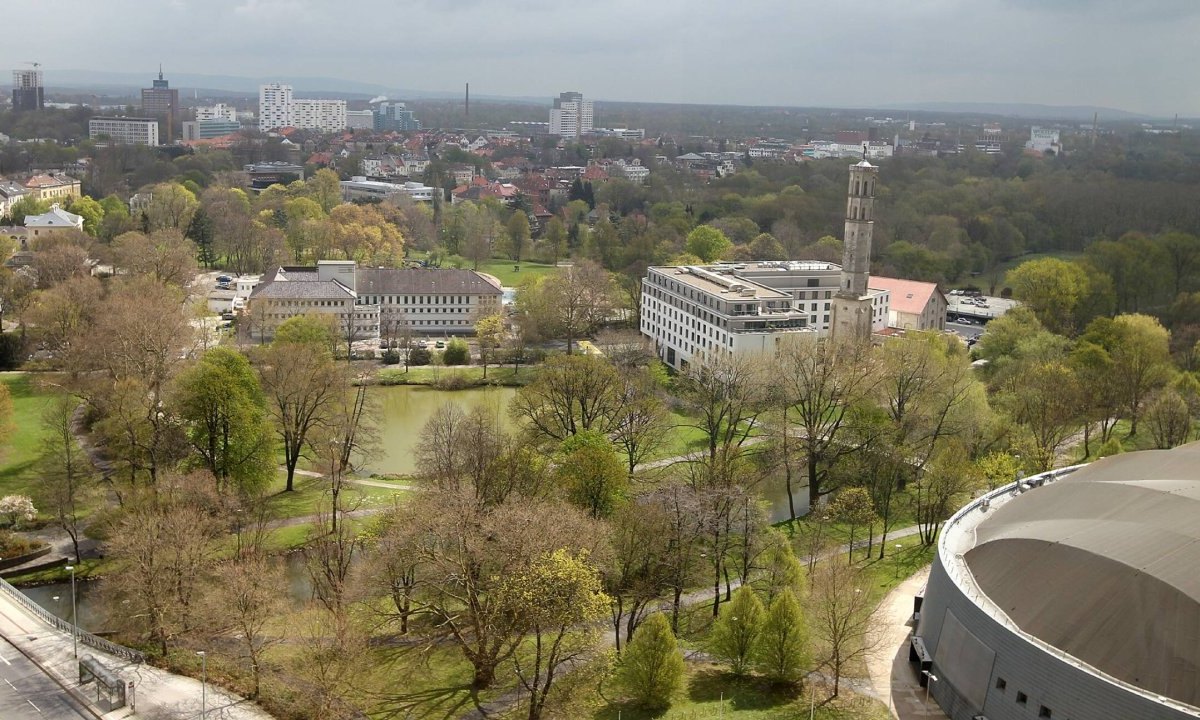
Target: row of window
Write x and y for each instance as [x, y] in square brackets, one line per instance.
[1023, 699]
[309, 303]
[420, 299]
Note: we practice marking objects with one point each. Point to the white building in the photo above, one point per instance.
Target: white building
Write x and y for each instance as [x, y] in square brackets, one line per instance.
[324, 115]
[125, 130]
[360, 119]
[360, 187]
[55, 220]
[220, 111]
[430, 301]
[571, 115]
[1043, 140]
[274, 106]
[634, 171]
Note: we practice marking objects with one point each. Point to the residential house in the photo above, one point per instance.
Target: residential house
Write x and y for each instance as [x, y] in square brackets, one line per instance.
[10, 193]
[55, 187]
[56, 220]
[914, 305]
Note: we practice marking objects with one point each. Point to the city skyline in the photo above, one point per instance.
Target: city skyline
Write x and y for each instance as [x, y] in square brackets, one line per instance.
[1083, 52]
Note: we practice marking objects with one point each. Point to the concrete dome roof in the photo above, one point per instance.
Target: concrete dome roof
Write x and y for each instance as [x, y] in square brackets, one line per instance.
[1105, 565]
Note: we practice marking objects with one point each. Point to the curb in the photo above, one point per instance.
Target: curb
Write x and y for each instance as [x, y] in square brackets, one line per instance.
[77, 696]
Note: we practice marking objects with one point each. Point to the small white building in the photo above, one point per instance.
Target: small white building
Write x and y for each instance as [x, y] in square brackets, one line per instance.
[55, 220]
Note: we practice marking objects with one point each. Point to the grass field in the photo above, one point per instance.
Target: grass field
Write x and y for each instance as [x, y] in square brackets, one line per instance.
[20, 452]
[505, 270]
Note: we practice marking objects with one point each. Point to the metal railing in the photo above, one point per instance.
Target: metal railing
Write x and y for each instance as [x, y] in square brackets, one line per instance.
[58, 623]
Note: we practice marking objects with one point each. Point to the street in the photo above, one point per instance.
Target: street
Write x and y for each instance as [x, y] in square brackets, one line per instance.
[27, 693]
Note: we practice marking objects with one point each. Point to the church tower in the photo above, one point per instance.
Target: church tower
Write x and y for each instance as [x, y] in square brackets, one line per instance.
[852, 304]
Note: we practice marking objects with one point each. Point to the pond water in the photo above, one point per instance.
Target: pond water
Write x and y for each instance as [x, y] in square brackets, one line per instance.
[406, 409]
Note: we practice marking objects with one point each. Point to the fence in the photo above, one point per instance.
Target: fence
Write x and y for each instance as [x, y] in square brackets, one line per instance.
[84, 636]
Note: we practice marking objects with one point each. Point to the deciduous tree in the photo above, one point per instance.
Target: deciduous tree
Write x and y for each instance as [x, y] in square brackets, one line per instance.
[651, 670]
[735, 634]
[782, 649]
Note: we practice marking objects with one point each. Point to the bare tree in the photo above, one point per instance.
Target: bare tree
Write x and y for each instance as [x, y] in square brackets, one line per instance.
[840, 616]
[244, 598]
[67, 476]
[640, 427]
[300, 383]
[570, 394]
[726, 394]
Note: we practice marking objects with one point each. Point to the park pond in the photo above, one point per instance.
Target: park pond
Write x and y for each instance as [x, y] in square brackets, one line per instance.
[405, 410]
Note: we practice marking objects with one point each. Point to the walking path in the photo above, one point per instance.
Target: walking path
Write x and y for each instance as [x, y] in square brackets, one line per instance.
[892, 675]
[157, 694]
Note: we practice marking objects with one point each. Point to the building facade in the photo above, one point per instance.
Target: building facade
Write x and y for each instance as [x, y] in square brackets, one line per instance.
[394, 117]
[125, 130]
[10, 193]
[571, 115]
[28, 93]
[59, 188]
[428, 301]
[324, 115]
[915, 305]
[274, 106]
[220, 111]
[360, 119]
[162, 101]
[209, 129]
[56, 220]
[359, 187]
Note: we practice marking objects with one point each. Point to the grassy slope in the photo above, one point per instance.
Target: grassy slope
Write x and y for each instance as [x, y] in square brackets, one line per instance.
[20, 451]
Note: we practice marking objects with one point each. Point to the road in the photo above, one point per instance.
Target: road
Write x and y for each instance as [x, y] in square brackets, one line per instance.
[27, 693]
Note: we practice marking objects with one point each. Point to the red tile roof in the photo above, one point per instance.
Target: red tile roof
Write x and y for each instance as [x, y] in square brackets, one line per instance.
[907, 296]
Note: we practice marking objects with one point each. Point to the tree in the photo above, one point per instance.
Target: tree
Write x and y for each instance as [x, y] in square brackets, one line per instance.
[725, 394]
[1169, 418]
[489, 331]
[171, 207]
[18, 509]
[26, 206]
[91, 212]
[591, 474]
[245, 597]
[223, 407]
[782, 649]
[1052, 288]
[1141, 360]
[736, 631]
[556, 238]
[571, 393]
[1045, 397]
[393, 565]
[638, 534]
[652, 669]
[325, 188]
[59, 263]
[781, 570]
[640, 426]
[66, 470]
[840, 609]
[766, 247]
[852, 507]
[165, 255]
[456, 353]
[62, 312]
[298, 379]
[517, 229]
[570, 304]
[948, 482]
[556, 595]
[708, 243]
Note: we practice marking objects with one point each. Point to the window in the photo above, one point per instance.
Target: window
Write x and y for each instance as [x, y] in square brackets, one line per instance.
[813, 282]
[1043, 711]
[1001, 684]
[1022, 698]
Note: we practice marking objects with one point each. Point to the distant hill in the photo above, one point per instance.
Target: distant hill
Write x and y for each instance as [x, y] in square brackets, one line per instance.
[1029, 111]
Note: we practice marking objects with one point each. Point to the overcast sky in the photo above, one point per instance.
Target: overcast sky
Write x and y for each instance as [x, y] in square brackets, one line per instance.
[1137, 55]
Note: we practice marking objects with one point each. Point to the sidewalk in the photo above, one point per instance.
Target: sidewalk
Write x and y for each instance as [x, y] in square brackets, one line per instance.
[893, 677]
[157, 695]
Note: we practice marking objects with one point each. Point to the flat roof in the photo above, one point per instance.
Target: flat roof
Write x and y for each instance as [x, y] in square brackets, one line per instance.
[688, 276]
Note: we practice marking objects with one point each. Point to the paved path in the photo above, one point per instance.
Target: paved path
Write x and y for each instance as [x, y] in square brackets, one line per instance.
[891, 674]
[158, 695]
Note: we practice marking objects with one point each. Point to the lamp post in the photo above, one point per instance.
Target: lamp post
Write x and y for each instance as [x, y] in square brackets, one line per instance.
[74, 618]
[203, 683]
[898, 546]
[930, 680]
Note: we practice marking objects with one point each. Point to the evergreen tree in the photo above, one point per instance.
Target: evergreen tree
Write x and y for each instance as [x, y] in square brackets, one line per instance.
[652, 668]
[200, 231]
[736, 631]
[781, 651]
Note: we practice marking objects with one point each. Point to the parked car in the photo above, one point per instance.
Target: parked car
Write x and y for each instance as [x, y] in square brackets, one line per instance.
[440, 344]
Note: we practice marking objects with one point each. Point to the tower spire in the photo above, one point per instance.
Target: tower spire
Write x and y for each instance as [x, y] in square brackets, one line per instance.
[160, 71]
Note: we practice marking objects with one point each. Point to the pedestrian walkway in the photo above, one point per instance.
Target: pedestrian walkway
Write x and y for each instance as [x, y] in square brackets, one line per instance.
[156, 693]
[892, 676]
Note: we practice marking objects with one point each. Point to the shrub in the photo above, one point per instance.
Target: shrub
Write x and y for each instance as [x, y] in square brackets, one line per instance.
[420, 356]
[457, 353]
[17, 509]
[391, 357]
[651, 668]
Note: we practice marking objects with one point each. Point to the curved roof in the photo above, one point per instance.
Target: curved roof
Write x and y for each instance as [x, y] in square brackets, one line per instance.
[1105, 565]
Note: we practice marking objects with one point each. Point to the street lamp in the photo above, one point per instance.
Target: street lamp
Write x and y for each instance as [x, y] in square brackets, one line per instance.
[203, 683]
[930, 680]
[897, 557]
[74, 619]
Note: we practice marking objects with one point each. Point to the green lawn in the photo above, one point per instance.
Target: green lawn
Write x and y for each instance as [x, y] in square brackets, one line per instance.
[509, 276]
[21, 451]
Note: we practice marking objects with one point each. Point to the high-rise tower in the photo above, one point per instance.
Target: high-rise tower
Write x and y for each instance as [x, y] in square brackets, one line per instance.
[28, 93]
[162, 101]
[852, 304]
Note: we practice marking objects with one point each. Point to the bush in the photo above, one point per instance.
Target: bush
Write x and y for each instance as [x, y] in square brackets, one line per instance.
[391, 357]
[457, 353]
[452, 381]
[420, 356]
[652, 668]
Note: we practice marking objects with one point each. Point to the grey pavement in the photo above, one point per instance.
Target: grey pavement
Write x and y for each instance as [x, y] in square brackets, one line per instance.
[157, 694]
[27, 693]
[893, 677]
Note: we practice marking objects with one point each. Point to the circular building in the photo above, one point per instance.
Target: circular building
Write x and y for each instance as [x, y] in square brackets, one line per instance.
[1073, 595]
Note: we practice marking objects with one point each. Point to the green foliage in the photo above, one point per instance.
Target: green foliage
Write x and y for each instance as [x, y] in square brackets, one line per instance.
[1112, 446]
[419, 356]
[708, 243]
[651, 669]
[315, 331]
[457, 353]
[591, 472]
[734, 636]
[91, 211]
[782, 570]
[782, 649]
[224, 411]
[27, 205]
[1053, 290]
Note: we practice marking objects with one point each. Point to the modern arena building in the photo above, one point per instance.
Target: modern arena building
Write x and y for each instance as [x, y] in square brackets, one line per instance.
[1072, 595]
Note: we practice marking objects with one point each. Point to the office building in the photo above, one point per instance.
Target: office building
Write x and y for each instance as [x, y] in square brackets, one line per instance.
[395, 117]
[220, 111]
[274, 107]
[1072, 594]
[360, 188]
[260, 176]
[28, 93]
[162, 101]
[209, 129]
[571, 115]
[124, 130]
[324, 115]
[360, 119]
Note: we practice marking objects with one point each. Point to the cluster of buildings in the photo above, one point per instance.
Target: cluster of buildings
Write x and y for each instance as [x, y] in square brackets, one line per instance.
[277, 108]
[368, 303]
[692, 311]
